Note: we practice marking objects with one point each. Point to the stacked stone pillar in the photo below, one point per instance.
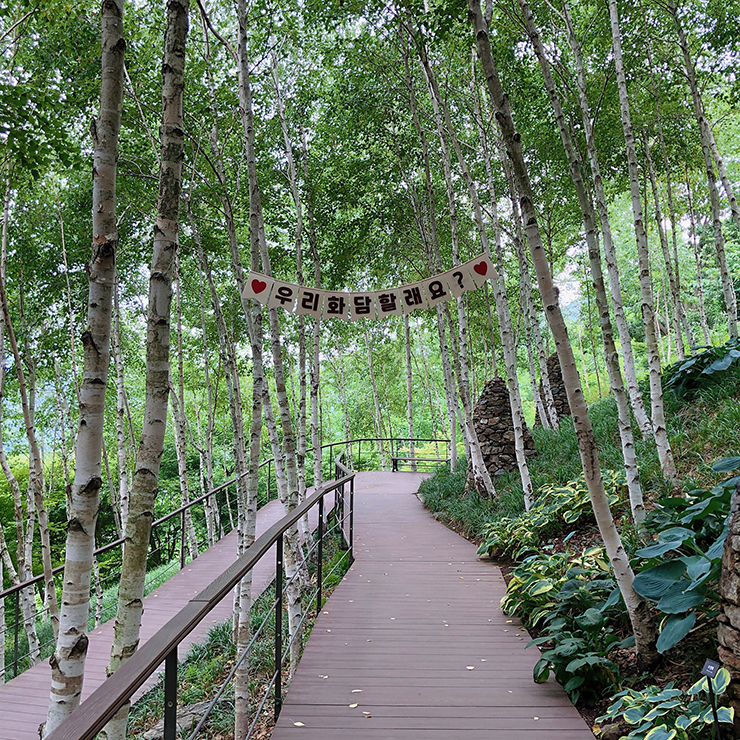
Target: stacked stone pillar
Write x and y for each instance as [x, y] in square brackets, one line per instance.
[495, 429]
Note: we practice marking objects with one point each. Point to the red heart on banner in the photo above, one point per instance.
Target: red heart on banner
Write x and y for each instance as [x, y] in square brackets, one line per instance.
[258, 285]
[481, 268]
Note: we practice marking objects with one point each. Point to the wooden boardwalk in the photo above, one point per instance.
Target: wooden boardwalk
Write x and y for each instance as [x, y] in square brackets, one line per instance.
[412, 645]
[25, 699]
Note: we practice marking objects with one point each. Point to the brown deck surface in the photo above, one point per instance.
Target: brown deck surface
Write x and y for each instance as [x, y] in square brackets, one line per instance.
[25, 699]
[412, 644]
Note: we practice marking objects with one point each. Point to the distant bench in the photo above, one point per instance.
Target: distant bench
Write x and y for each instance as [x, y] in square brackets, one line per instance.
[397, 460]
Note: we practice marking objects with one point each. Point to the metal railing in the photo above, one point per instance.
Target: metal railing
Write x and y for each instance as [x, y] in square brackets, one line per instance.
[163, 547]
[93, 714]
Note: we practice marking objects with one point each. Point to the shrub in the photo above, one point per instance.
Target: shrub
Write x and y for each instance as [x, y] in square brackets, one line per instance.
[682, 715]
[556, 508]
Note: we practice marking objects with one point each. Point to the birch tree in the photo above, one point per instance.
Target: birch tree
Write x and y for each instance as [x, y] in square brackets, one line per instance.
[642, 626]
[68, 661]
[665, 454]
[149, 454]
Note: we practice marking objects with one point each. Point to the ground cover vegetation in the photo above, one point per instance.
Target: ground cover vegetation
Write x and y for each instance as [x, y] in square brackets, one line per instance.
[589, 149]
[560, 583]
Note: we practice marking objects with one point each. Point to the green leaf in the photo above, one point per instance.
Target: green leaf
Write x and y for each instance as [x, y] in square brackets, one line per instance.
[655, 551]
[697, 566]
[541, 671]
[721, 681]
[678, 600]
[540, 587]
[726, 465]
[674, 630]
[633, 715]
[652, 583]
[661, 732]
[726, 714]
[590, 619]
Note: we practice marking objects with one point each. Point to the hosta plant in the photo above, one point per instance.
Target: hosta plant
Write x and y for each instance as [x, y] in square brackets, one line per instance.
[555, 508]
[683, 565]
[666, 713]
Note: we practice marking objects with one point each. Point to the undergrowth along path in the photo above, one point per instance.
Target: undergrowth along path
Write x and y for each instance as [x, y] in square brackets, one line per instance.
[25, 699]
[412, 644]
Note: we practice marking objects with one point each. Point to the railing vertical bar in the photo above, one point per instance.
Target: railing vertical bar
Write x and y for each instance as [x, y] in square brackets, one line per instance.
[320, 557]
[182, 539]
[269, 476]
[15, 628]
[170, 695]
[279, 625]
[351, 519]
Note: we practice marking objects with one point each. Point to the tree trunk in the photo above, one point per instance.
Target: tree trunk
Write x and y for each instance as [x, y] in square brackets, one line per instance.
[68, 661]
[697, 258]
[149, 454]
[610, 255]
[711, 155]
[409, 388]
[643, 627]
[589, 223]
[665, 455]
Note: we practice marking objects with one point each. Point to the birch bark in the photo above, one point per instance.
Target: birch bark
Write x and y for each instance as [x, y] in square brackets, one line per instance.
[711, 155]
[590, 230]
[610, 255]
[665, 455]
[637, 610]
[68, 661]
[165, 242]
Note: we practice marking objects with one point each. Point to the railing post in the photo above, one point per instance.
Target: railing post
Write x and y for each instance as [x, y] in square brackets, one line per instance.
[320, 557]
[170, 695]
[278, 625]
[182, 539]
[269, 475]
[359, 455]
[15, 638]
[351, 519]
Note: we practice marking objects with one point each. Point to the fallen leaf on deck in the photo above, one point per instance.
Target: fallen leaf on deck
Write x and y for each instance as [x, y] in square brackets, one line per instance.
[352, 706]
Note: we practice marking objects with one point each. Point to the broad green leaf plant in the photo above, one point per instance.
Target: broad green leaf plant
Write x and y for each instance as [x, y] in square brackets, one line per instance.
[666, 713]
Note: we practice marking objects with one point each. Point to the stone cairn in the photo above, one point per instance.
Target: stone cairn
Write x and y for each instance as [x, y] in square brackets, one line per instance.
[555, 374]
[492, 419]
[728, 632]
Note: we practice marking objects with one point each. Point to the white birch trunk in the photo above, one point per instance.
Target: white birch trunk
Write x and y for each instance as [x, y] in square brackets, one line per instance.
[590, 229]
[711, 156]
[68, 661]
[146, 473]
[699, 267]
[665, 455]
[610, 256]
[409, 388]
[642, 625]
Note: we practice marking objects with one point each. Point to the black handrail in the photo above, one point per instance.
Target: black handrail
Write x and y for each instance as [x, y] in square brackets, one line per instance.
[94, 713]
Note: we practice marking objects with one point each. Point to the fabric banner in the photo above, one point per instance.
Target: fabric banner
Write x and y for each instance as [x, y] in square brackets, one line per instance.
[370, 304]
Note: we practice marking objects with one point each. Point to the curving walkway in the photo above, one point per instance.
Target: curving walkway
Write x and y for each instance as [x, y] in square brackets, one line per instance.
[412, 645]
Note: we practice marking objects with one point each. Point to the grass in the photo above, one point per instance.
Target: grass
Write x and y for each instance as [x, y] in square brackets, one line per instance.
[700, 431]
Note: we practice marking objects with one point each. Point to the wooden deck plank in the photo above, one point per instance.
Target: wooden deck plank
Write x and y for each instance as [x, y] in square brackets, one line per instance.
[30, 690]
[414, 636]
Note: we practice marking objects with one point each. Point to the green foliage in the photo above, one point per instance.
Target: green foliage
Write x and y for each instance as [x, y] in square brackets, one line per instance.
[556, 508]
[445, 496]
[577, 601]
[682, 715]
[701, 369]
[690, 531]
